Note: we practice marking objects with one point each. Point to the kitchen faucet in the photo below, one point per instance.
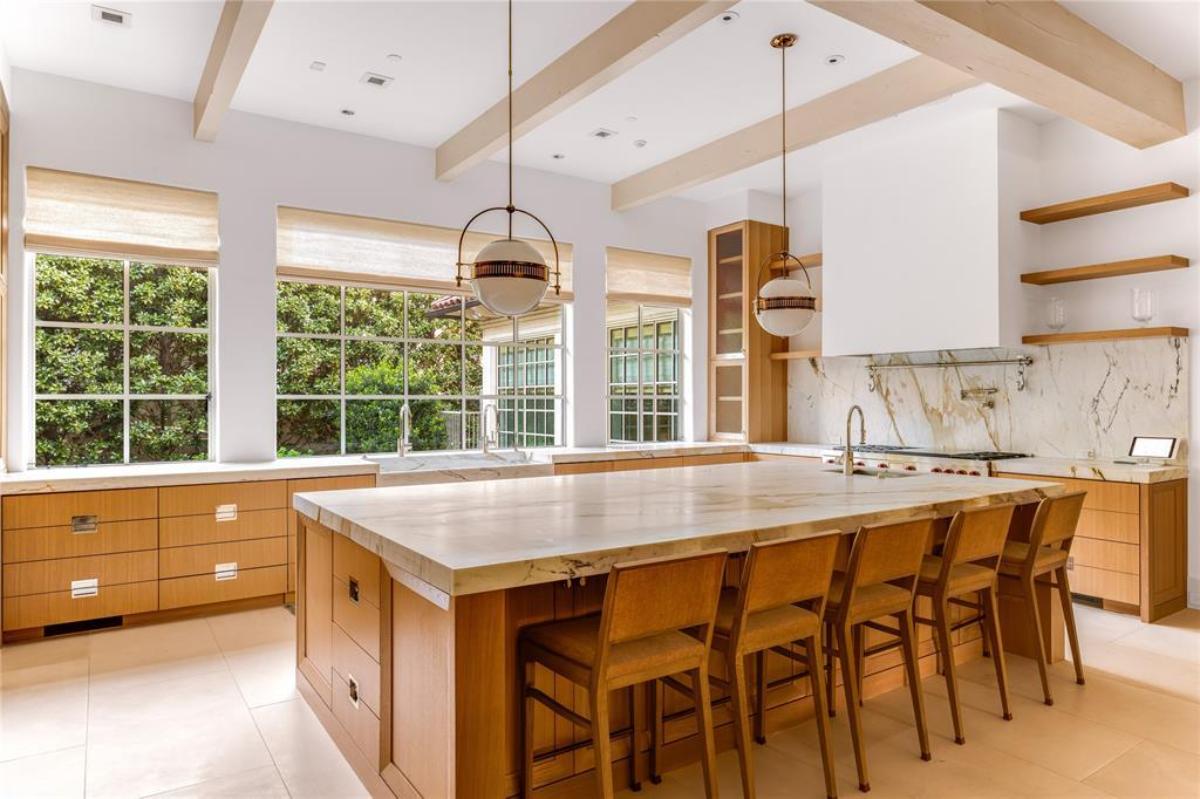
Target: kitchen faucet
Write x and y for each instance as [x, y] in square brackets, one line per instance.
[491, 438]
[848, 455]
[405, 423]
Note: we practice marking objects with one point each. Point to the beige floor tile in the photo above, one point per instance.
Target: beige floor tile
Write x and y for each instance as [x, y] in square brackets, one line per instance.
[1151, 769]
[154, 652]
[308, 761]
[253, 628]
[43, 716]
[1136, 665]
[259, 783]
[1172, 637]
[265, 673]
[778, 775]
[1098, 626]
[41, 662]
[119, 709]
[53, 775]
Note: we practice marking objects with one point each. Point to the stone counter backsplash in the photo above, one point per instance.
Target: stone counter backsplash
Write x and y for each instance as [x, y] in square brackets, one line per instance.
[1079, 399]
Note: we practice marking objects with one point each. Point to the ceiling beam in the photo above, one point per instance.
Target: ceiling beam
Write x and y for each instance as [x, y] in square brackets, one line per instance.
[237, 33]
[907, 85]
[1040, 51]
[639, 31]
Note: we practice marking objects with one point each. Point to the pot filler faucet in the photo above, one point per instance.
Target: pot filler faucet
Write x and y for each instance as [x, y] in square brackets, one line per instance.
[848, 455]
[403, 440]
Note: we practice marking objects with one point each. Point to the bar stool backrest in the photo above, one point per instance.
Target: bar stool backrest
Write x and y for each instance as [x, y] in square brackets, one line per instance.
[977, 536]
[649, 597]
[1055, 521]
[887, 552]
[787, 572]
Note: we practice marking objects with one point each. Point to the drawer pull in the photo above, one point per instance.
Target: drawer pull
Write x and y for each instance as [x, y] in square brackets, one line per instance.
[354, 595]
[1070, 563]
[226, 571]
[81, 525]
[85, 588]
[226, 513]
[353, 683]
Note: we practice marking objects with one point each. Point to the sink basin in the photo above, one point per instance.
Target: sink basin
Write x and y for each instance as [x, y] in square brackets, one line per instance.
[449, 460]
[866, 471]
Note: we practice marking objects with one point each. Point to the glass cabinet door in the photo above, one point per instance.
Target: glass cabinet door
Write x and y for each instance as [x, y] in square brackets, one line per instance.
[728, 285]
[729, 399]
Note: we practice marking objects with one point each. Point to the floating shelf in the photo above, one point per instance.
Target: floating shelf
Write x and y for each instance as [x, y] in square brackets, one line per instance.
[732, 259]
[1144, 195]
[813, 259]
[795, 355]
[1135, 266]
[1106, 335]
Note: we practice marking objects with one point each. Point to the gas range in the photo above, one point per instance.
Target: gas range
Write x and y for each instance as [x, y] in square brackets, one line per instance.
[917, 459]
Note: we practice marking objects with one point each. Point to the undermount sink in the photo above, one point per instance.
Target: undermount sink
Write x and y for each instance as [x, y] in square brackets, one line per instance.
[866, 471]
[449, 460]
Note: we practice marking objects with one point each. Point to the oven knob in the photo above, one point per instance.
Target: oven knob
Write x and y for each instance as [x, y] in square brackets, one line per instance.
[962, 471]
[883, 466]
[859, 463]
[910, 468]
[974, 473]
[936, 469]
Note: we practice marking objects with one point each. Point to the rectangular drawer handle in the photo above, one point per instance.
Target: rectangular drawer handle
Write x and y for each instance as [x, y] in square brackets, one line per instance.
[226, 513]
[226, 571]
[354, 699]
[85, 588]
[354, 595]
[84, 524]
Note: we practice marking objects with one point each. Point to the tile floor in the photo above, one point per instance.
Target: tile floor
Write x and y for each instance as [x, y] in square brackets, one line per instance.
[208, 708]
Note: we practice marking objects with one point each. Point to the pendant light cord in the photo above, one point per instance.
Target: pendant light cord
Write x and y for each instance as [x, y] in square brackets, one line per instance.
[783, 124]
[510, 119]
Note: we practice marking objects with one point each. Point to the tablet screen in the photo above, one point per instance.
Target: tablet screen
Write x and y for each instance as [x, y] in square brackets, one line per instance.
[1152, 447]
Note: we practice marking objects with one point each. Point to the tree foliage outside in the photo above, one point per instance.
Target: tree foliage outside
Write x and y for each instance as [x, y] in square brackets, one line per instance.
[89, 363]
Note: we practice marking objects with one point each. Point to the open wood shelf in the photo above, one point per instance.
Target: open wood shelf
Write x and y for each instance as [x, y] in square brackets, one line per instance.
[813, 259]
[795, 355]
[1106, 335]
[732, 259]
[1135, 266]
[1131, 198]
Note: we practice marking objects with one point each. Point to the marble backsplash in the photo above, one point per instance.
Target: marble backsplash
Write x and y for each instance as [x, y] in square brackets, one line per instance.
[1079, 399]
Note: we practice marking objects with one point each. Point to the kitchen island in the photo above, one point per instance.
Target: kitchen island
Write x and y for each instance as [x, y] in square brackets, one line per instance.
[410, 600]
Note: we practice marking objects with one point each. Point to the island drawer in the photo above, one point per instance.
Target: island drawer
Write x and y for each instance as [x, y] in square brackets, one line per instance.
[1101, 495]
[1105, 584]
[359, 620]
[81, 510]
[1109, 526]
[356, 718]
[358, 568]
[46, 576]
[1110, 555]
[351, 661]
[44, 543]
[201, 589]
[207, 558]
[634, 464]
[182, 531]
[39, 610]
[712, 460]
[222, 498]
[584, 467]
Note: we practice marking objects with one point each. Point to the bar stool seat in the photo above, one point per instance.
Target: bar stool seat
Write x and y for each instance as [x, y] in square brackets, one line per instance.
[766, 628]
[870, 601]
[964, 577]
[1016, 553]
[576, 641]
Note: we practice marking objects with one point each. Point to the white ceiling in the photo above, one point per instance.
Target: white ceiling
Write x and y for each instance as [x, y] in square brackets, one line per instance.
[717, 79]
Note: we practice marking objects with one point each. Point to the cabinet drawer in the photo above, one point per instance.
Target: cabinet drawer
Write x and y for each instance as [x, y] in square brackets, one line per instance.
[181, 531]
[203, 559]
[357, 719]
[328, 484]
[81, 507]
[710, 460]
[634, 464]
[351, 661]
[45, 576]
[1110, 555]
[587, 467]
[201, 589]
[44, 543]
[1119, 497]
[38, 610]
[1109, 525]
[1104, 584]
[358, 568]
[205, 500]
[359, 620]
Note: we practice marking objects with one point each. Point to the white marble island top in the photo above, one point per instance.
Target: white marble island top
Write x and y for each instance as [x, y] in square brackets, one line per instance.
[469, 537]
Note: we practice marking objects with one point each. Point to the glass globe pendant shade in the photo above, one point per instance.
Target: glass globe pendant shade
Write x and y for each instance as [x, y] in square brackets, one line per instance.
[784, 306]
[510, 277]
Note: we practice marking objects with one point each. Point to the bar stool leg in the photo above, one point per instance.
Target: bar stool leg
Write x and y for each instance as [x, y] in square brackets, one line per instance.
[908, 642]
[1064, 594]
[853, 711]
[983, 623]
[739, 692]
[637, 717]
[704, 721]
[812, 650]
[601, 742]
[860, 658]
[990, 605]
[760, 697]
[527, 705]
[655, 689]
[1035, 621]
[941, 622]
[830, 672]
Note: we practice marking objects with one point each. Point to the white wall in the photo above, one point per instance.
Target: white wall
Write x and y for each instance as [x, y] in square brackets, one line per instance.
[5, 73]
[258, 163]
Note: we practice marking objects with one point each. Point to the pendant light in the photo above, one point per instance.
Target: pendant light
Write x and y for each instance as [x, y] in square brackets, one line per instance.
[784, 306]
[509, 275]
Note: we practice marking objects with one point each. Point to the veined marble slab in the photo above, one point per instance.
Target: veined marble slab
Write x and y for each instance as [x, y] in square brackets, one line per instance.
[617, 452]
[469, 537]
[1094, 470]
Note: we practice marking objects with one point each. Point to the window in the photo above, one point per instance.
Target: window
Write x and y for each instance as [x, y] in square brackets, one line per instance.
[121, 361]
[643, 373]
[351, 356]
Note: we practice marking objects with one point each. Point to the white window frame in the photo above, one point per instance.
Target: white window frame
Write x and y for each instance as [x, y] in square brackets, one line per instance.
[638, 353]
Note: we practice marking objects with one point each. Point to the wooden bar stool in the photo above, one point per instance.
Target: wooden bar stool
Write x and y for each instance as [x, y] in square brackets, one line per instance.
[657, 620]
[780, 601]
[1043, 556]
[880, 580]
[967, 566]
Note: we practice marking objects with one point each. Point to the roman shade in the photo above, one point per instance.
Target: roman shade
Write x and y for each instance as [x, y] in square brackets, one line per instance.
[648, 278]
[77, 214]
[317, 244]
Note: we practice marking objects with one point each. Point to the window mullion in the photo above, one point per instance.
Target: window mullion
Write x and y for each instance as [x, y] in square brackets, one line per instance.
[342, 368]
[125, 365]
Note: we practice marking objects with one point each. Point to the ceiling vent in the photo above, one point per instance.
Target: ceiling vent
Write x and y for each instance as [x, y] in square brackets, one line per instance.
[112, 16]
[375, 79]
[602, 133]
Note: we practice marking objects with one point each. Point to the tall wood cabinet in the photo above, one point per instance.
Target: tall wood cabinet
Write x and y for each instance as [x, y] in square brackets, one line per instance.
[747, 391]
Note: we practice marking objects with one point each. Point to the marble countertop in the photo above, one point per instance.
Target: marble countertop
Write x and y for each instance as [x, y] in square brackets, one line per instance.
[469, 537]
[1094, 469]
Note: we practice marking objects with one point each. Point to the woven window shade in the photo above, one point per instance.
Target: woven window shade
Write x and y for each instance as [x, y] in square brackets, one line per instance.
[72, 213]
[648, 278]
[316, 244]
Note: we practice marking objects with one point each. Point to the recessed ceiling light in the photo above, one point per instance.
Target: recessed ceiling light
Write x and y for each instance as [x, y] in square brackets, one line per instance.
[347, 112]
[729, 17]
[375, 79]
[317, 66]
[112, 16]
[639, 143]
[834, 60]
[558, 156]
[602, 133]
[631, 118]
[395, 58]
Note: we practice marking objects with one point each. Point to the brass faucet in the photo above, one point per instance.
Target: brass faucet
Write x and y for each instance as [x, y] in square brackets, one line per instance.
[848, 455]
[403, 441]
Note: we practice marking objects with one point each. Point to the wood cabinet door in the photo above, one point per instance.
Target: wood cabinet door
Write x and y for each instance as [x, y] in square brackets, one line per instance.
[316, 615]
